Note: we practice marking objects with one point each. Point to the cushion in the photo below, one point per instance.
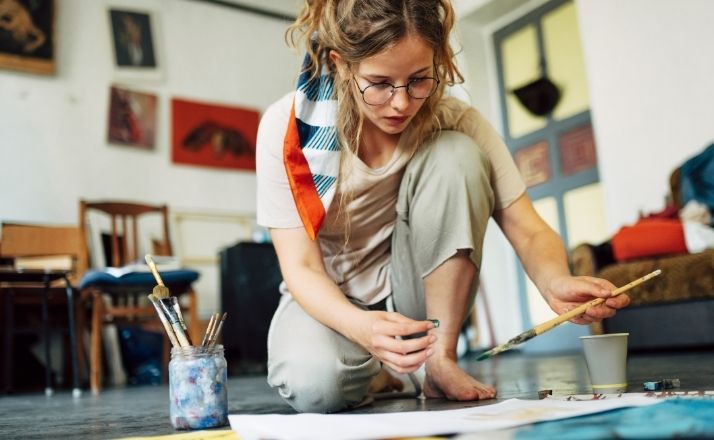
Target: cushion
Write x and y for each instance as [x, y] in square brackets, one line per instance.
[98, 278]
[649, 238]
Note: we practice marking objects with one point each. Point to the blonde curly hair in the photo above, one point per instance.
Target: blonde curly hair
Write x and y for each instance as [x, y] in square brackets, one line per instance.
[359, 29]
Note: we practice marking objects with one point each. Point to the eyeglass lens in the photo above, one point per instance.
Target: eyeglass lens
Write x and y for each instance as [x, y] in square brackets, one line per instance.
[420, 88]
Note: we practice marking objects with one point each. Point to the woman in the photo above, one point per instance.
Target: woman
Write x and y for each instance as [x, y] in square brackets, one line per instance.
[379, 194]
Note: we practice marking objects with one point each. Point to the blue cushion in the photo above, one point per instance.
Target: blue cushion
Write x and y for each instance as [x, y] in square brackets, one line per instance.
[99, 278]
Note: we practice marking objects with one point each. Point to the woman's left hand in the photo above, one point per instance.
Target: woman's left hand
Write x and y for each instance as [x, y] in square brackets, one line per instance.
[566, 293]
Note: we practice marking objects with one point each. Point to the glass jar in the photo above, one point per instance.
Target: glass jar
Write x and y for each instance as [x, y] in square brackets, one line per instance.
[197, 387]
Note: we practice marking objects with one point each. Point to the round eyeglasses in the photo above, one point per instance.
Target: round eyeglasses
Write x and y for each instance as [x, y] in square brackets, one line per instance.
[380, 93]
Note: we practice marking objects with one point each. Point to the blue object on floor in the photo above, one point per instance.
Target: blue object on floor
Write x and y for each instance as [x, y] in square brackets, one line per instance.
[676, 418]
[141, 352]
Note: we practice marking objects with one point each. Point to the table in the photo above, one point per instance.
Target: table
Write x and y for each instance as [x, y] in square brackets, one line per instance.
[11, 275]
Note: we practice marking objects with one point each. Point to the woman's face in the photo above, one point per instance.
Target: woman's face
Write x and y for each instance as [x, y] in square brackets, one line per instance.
[411, 58]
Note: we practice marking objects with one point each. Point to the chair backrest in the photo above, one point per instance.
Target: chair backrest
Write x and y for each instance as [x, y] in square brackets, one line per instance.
[675, 188]
[125, 235]
[31, 240]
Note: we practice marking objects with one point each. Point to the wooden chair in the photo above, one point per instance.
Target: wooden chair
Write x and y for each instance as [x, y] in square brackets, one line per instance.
[44, 244]
[126, 294]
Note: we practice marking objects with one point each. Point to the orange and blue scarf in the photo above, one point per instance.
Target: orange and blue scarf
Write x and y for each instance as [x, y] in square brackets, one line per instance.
[311, 152]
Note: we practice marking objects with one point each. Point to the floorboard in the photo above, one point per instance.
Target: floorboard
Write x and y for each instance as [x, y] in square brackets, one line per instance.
[143, 411]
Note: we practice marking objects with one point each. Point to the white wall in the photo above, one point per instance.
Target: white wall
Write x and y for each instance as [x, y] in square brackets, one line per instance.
[53, 148]
[499, 283]
[651, 91]
[651, 74]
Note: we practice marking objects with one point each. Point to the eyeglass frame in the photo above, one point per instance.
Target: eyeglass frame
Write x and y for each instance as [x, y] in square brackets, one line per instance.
[394, 88]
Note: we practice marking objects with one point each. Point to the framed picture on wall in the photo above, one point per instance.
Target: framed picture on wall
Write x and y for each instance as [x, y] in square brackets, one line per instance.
[132, 118]
[134, 44]
[213, 135]
[27, 41]
[534, 163]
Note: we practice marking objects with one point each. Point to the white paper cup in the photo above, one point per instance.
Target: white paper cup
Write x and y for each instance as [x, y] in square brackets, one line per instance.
[606, 357]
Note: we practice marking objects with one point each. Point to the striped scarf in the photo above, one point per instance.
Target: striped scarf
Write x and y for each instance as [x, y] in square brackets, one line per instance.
[311, 153]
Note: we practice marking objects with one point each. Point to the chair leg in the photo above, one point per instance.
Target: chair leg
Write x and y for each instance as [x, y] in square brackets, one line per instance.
[95, 364]
[46, 336]
[9, 330]
[194, 325]
[81, 325]
[72, 317]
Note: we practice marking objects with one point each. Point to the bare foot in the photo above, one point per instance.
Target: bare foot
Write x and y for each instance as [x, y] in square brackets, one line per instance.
[445, 379]
[384, 382]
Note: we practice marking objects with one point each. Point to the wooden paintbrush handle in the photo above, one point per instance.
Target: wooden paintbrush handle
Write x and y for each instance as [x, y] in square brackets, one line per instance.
[152, 266]
[567, 316]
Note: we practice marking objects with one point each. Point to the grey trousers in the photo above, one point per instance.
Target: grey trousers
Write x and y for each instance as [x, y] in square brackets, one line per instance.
[445, 201]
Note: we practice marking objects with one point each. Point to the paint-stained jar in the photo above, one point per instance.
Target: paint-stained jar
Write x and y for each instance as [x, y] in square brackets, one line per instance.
[197, 387]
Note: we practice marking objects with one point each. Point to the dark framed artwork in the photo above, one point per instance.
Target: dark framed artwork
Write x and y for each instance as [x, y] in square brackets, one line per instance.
[134, 43]
[27, 41]
[213, 135]
[132, 118]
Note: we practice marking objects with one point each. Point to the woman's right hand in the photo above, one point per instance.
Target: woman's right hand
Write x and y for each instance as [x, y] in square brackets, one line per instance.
[384, 335]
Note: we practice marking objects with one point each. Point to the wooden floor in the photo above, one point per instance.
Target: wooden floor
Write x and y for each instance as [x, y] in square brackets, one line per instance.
[143, 411]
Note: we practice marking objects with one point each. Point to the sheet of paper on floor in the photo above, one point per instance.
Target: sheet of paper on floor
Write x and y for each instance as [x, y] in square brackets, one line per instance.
[510, 413]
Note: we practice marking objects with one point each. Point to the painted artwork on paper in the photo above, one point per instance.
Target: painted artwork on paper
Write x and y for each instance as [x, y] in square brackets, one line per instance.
[132, 118]
[27, 35]
[577, 150]
[132, 39]
[533, 163]
[213, 135]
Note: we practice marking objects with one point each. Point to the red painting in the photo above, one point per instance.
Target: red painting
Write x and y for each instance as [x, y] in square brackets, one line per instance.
[132, 118]
[213, 135]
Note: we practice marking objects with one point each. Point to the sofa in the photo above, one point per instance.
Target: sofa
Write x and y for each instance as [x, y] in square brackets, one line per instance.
[673, 310]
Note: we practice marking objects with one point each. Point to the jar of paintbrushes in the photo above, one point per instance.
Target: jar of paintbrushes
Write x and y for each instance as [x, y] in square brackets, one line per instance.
[197, 387]
[197, 373]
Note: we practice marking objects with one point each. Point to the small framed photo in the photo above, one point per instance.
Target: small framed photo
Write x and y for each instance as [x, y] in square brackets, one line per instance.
[132, 118]
[27, 40]
[134, 44]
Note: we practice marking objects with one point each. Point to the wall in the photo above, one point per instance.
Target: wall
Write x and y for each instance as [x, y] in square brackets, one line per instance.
[498, 280]
[54, 127]
[650, 91]
[651, 78]
[53, 148]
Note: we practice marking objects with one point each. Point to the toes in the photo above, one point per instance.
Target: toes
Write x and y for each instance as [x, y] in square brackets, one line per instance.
[486, 394]
[476, 394]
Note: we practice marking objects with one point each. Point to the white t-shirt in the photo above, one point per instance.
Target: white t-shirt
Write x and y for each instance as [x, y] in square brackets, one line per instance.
[361, 265]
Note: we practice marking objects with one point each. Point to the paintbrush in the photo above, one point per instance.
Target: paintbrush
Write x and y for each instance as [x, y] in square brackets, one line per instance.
[172, 302]
[175, 324]
[549, 325]
[217, 332]
[160, 291]
[164, 321]
[209, 329]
